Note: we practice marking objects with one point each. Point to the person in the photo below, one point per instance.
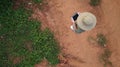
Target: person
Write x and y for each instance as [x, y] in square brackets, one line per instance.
[83, 22]
[76, 29]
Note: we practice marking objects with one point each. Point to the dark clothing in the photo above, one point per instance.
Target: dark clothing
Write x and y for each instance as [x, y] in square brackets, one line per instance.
[75, 16]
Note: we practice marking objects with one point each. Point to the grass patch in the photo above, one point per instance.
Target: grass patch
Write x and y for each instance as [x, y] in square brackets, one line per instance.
[20, 37]
[104, 58]
[94, 2]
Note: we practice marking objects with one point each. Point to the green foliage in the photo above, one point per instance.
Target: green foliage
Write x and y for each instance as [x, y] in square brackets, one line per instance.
[104, 58]
[17, 33]
[101, 39]
[37, 1]
[94, 2]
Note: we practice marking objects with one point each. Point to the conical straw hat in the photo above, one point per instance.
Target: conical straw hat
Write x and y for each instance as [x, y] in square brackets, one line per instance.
[86, 21]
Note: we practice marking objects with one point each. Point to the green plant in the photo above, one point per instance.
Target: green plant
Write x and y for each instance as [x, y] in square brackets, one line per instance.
[23, 38]
[104, 58]
[37, 1]
[94, 2]
[101, 40]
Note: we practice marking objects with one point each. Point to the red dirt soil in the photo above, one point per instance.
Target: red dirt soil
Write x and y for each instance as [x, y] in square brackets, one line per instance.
[79, 51]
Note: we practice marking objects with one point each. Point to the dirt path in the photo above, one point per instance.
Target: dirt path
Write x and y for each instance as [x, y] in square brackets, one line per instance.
[57, 18]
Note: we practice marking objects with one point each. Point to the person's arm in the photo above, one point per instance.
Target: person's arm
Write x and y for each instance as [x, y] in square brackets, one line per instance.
[75, 25]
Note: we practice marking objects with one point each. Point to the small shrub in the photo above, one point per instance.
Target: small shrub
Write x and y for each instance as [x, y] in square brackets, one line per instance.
[94, 2]
[101, 40]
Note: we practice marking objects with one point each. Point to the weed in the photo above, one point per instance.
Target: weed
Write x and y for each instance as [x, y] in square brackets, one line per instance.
[94, 2]
[101, 40]
[104, 58]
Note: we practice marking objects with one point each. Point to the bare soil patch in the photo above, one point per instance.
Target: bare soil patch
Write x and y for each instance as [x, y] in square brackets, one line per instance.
[56, 16]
